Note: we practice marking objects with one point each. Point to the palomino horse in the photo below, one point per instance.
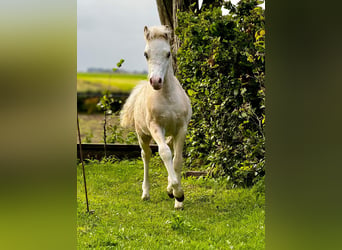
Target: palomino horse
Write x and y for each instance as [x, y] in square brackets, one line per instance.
[157, 109]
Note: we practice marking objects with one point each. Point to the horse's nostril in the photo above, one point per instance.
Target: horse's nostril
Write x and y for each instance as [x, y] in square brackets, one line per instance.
[155, 80]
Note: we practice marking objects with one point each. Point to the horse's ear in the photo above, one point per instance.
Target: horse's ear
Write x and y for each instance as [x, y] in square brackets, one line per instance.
[167, 34]
[146, 33]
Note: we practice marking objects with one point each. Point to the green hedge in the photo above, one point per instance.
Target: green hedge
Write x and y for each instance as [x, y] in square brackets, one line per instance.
[221, 66]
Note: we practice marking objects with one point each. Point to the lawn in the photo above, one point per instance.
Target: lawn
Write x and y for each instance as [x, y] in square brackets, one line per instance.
[215, 215]
[114, 82]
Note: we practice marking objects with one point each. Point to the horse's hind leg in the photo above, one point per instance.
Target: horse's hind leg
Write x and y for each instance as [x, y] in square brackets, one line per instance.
[146, 152]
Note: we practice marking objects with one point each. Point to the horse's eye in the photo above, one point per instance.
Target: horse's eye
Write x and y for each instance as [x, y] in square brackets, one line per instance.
[145, 54]
[168, 54]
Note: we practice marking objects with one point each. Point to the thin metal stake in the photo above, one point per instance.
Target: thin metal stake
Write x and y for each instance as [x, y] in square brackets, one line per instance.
[105, 134]
[81, 157]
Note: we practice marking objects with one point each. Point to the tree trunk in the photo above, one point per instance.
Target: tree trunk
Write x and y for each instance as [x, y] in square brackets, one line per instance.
[167, 10]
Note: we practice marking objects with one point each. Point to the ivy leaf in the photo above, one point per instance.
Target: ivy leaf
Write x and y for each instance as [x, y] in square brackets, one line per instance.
[236, 92]
[191, 92]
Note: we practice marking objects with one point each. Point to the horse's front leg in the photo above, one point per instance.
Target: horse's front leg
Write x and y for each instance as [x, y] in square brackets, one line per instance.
[146, 152]
[178, 144]
[174, 189]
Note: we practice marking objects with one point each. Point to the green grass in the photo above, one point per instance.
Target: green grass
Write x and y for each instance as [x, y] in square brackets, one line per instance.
[214, 216]
[107, 81]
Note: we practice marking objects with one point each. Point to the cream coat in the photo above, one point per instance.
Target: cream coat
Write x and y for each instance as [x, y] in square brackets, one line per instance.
[157, 109]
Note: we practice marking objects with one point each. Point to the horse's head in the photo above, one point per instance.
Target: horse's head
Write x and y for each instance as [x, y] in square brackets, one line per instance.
[158, 54]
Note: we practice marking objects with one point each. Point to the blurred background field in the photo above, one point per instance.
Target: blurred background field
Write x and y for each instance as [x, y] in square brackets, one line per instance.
[91, 86]
[113, 82]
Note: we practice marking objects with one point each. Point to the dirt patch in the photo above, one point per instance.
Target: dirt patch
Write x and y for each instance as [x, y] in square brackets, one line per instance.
[91, 126]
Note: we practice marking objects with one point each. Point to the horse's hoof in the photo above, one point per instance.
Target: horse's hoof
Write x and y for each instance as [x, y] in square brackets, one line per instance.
[170, 195]
[179, 205]
[180, 199]
[145, 198]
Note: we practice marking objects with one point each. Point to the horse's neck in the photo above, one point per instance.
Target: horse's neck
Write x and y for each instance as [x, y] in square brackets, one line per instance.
[169, 81]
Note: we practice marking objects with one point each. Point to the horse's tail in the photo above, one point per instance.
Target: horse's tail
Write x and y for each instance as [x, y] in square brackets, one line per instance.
[127, 112]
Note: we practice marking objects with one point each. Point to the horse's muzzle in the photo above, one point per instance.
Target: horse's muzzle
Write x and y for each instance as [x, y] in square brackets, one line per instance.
[156, 82]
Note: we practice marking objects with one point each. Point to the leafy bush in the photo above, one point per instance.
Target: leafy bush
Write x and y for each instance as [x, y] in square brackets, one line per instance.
[119, 135]
[221, 66]
[113, 133]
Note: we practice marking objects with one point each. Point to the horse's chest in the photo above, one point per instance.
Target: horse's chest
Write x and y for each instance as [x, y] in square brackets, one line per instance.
[169, 115]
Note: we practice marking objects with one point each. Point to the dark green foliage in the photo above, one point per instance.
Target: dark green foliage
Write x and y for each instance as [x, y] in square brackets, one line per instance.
[221, 66]
[105, 102]
[116, 133]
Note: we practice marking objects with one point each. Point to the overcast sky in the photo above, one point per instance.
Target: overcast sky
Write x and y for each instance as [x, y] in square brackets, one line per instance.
[108, 30]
